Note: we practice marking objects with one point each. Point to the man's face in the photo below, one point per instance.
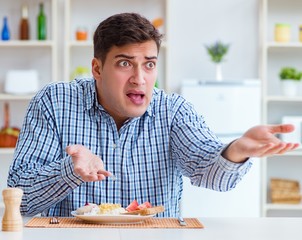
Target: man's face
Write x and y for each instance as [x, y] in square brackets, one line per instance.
[125, 81]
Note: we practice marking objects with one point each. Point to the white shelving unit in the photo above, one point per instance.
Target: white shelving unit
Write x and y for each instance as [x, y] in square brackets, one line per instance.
[21, 55]
[81, 14]
[274, 56]
[29, 54]
[43, 55]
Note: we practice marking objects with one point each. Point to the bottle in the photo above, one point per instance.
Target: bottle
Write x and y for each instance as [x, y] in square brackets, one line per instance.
[24, 24]
[41, 23]
[5, 34]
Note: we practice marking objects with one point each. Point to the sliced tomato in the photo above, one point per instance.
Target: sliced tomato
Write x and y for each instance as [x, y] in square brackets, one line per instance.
[144, 205]
[132, 206]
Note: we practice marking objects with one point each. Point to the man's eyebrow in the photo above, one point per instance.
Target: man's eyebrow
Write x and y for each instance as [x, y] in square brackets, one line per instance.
[124, 56]
[131, 57]
[149, 58]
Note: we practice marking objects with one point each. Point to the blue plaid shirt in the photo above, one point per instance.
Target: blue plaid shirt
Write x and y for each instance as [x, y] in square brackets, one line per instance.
[148, 155]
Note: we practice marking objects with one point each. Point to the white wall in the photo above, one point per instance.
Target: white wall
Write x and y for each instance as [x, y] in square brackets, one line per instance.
[195, 23]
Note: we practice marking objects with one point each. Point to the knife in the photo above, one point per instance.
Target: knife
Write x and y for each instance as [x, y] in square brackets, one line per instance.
[181, 221]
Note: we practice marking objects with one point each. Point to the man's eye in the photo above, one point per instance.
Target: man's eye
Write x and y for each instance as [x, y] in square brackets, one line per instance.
[124, 64]
[150, 65]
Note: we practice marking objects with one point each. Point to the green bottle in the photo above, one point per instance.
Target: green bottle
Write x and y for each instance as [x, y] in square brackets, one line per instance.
[41, 23]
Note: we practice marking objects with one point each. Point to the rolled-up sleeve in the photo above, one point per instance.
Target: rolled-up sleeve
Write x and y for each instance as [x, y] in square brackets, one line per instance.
[40, 168]
[197, 151]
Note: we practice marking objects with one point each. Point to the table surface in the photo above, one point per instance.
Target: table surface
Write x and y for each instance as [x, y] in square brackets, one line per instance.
[215, 228]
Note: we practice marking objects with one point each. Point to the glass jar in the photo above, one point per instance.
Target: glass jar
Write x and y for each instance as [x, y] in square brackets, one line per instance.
[282, 32]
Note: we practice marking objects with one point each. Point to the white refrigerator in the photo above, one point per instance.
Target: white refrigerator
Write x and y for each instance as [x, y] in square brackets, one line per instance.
[229, 109]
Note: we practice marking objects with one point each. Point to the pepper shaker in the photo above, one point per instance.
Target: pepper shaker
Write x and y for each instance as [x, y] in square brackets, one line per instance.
[12, 219]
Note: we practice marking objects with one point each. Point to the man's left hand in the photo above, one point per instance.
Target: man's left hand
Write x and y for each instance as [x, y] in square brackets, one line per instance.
[260, 141]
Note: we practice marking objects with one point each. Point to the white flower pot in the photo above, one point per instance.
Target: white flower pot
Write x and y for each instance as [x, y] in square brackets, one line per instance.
[218, 72]
[290, 87]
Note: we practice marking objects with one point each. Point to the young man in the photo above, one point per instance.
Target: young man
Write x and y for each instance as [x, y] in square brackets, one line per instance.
[77, 134]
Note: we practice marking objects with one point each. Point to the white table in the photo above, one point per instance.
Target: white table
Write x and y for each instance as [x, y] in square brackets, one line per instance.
[215, 229]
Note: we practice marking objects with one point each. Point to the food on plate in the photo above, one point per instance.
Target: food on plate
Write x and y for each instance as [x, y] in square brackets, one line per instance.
[147, 211]
[145, 208]
[106, 208]
[110, 208]
[85, 209]
[134, 208]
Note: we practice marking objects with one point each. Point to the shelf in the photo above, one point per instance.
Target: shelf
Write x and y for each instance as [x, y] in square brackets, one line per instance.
[283, 99]
[30, 43]
[7, 150]
[275, 206]
[10, 97]
[81, 44]
[272, 45]
[297, 152]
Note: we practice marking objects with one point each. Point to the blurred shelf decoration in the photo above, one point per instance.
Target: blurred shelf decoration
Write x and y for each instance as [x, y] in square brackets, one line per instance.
[217, 52]
[285, 191]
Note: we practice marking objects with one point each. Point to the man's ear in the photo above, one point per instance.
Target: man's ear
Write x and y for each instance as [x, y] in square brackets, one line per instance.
[96, 68]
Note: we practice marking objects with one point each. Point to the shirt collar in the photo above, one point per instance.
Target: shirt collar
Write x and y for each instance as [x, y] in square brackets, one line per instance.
[90, 96]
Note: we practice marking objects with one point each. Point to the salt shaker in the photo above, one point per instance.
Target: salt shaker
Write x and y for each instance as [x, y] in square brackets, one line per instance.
[12, 219]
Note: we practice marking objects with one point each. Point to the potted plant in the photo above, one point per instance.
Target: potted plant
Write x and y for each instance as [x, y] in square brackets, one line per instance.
[290, 78]
[217, 52]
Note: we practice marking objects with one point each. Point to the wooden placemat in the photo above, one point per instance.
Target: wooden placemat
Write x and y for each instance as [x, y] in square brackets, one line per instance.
[43, 222]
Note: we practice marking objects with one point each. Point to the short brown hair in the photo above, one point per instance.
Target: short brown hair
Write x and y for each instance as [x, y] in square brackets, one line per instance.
[122, 29]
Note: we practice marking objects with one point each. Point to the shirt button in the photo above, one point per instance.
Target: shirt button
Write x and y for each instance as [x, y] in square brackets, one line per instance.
[79, 182]
[114, 145]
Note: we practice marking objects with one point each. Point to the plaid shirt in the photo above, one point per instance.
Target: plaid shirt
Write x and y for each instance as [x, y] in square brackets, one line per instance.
[148, 155]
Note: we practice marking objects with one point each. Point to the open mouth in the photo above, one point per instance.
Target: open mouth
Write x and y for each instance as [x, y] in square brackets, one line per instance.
[136, 98]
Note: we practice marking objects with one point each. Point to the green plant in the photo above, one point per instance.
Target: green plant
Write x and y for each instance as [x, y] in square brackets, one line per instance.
[217, 51]
[290, 73]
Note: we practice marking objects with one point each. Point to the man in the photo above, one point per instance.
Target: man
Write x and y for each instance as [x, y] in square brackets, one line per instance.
[75, 135]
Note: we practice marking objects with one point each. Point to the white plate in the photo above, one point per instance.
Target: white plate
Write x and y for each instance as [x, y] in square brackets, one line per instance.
[112, 218]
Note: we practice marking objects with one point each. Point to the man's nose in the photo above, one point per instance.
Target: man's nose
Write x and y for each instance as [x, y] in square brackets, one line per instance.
[138, 76]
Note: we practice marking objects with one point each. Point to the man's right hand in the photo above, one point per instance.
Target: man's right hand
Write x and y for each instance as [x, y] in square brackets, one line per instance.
[87, 165]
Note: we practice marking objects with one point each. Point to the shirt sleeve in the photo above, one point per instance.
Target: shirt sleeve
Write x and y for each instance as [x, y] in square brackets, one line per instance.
[197, 151]
[41, 168]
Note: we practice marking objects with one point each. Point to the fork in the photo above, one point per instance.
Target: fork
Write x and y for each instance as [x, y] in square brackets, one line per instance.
[181, 221]
[54, 220]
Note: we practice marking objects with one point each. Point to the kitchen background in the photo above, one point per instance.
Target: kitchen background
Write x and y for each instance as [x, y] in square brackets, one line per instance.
[247, 27]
